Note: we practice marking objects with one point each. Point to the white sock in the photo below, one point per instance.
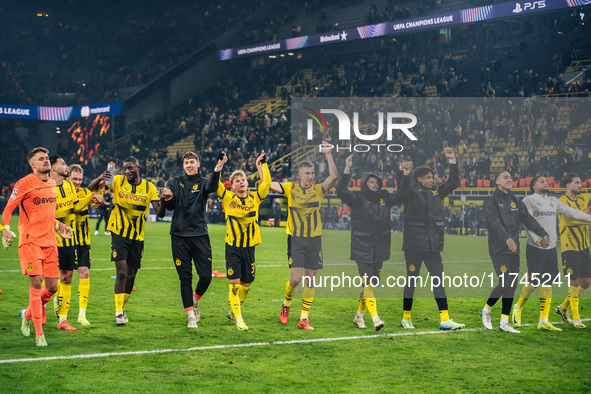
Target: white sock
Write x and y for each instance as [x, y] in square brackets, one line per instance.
[191, 314]
[542, 321]
[504, 321]
[517, 307]
[376, 319]
[360, 314]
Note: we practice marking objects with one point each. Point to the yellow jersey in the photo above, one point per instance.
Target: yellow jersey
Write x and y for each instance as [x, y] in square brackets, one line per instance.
[64, 212]
[82, 229]
[303, 217]
[131, 204]
[242, 213]
[574, 234]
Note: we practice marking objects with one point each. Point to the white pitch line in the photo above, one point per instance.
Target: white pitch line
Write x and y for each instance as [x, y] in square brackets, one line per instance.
[241, 345]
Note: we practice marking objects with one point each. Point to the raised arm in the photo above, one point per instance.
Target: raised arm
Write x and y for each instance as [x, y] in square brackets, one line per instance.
[332, 168]
[212, 183]
[404, 192]
[276, 187]
[343, 191]
[454, 175]
[94, 184]
[266, 179]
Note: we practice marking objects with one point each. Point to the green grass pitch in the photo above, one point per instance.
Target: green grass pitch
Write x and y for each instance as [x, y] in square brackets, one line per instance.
[335, 357]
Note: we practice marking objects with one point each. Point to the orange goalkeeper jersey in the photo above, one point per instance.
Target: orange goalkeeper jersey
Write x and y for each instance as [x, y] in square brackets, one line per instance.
[36, 201]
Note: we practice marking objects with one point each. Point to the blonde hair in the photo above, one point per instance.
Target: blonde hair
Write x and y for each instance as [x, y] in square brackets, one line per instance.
[75, 168]
[237, 173]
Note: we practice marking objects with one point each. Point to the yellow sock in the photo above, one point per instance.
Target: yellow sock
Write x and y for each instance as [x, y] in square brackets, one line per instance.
[361, 308]
[566, 302]
[444, 315]
[545, 302]
[525, 293]
[370, 301]
[288, 294]
[243, 292]
[83, 292]
[307, 298]
[125, 298]
[118, 303]
[406, 315]
[488, 307]
[64, 300]
[574, 301]
[234, 297]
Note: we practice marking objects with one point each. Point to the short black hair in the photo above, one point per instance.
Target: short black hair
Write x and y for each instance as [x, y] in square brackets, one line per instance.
[498, 174]
[533, 182]
[132, 159]
[422, 171]
[568, 178]
[53, 159]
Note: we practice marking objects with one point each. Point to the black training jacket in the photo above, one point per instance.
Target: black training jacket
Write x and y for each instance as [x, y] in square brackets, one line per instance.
[503, 212]
[424, 223]
[370, 217]
[189, 201]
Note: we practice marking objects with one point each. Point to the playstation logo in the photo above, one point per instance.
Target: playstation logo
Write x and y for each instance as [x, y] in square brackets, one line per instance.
[517, 9]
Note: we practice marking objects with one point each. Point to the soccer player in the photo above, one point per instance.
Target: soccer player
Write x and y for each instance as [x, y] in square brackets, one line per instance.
[132, 197]
[370, 231]
[187, 195]
[304, 229]
[242, 234]
[504, 212]
[82, 236]
[542, 265]
[423, 237]
[35, 196]
[574, 245]
[67, 203]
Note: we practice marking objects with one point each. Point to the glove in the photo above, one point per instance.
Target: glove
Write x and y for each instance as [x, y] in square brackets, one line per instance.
[5, 244]
[67, 234]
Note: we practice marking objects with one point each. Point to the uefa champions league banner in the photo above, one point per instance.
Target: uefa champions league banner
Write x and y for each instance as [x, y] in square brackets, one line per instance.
[377, 136]
[469, 15]
[59, 113]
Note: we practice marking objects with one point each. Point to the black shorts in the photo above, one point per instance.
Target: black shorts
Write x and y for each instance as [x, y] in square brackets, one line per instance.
[541, 262]
[83, 255]
[187, 249]
[372, 271]
[576, 264]
[240, 263]
[67, 258]
[304, 252]
[125, 249]
[505, 264]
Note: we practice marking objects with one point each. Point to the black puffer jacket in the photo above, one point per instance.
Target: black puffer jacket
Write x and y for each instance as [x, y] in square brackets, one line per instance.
[503, 213]
[424, 224]
[370, 217]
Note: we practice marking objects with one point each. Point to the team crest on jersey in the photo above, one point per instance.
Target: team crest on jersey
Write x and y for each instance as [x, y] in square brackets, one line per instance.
[29, 267]
[14, 192]
[195, 186]
[412, 268]
[569, 271]
[381, 201]
[513, 205]
[503, 268]
[230, 271]
[177, 262]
